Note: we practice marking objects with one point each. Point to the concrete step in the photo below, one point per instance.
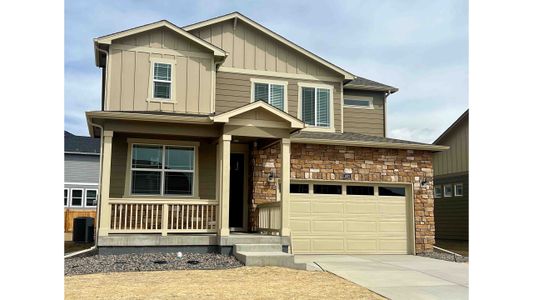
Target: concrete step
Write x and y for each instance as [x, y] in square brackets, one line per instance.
[257, 248]
[265, 255]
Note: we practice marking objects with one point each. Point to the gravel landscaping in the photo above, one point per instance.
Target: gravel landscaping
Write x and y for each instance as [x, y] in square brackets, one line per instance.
[445, 256]
[148, 262]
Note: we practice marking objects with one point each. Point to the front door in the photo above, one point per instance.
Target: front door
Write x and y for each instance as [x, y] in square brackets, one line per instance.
[236, 192]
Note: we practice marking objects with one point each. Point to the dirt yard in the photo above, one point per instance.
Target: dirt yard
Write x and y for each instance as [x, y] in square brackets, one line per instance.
[238, 283]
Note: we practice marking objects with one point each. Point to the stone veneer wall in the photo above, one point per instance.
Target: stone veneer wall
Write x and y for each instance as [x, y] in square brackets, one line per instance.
[330, 162]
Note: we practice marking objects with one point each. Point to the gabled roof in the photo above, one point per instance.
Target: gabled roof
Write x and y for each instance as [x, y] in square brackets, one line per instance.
[224, 117]
[81, 144]
[457, 122]
[107, 39]
[279, 38]
[361, 83]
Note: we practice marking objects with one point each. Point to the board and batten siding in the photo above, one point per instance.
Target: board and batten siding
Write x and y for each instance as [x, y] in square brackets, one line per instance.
[362, 120]
[130, 68]
[119, 164]
[252, 49]
[455, 159]
[234, 90]
[82, 168]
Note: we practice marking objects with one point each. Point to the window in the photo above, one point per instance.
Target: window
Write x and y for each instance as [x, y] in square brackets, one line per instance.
[76, 198]
[316, 106]
[271, 93]
[359, 103]
[297, 188]
[327, 189]
[65, 197]
[360, 190]
[448, 190]
[458, 189]
[391, 191]
[162, 170]
[438, 191]
[162, 81]
[90, 197]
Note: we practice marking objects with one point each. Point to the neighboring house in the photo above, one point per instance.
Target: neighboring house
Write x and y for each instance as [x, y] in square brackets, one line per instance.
[224, 126]
[82, 164]
[451, 182]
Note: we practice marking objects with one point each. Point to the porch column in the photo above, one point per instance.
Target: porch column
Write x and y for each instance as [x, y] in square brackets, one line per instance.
[224, 148]
[104, 215]
[285, 185]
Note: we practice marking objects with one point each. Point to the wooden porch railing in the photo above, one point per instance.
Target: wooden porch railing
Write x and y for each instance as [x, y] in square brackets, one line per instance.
[269, 218]
[162, 216]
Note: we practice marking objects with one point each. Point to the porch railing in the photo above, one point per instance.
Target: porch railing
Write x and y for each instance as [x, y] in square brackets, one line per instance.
[269, 218]
[162, 216]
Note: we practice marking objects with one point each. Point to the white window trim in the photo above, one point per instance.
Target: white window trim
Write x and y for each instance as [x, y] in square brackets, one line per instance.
[455, 189]
[308, 127]
[68, 196]
[362, 98]
[151, 142]
[285, 85]
[172, 63]
[444, 191]
[435, 191]
[85, 198]
[82, 197]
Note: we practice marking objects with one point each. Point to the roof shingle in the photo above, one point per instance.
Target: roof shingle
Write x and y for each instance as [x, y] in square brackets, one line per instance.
[81, 144]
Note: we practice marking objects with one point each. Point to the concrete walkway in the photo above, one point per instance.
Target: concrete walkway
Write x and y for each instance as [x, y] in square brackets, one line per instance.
[398, 276]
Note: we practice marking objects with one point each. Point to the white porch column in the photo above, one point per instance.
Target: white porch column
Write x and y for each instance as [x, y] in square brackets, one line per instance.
[285, 185]
[223, 172]
[105, 177]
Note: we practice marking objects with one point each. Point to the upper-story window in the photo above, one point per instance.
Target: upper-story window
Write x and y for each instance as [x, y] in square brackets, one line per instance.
[162, 80]
[359, 102]
[271, 92]
[316, 107]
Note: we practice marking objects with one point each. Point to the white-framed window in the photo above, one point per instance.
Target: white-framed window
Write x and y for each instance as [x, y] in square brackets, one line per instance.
[76, 198]
[359, 102]
[162, 85]
[91, 197]
[163, 170]
[65, 197]
[448, 192]
[316, 105]
[458, 187]
[438, 191]
[271, 92]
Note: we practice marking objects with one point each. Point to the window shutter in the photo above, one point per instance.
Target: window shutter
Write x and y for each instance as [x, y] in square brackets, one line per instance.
[276, 96]
[323, 108]
[261, 92]
[308, 105]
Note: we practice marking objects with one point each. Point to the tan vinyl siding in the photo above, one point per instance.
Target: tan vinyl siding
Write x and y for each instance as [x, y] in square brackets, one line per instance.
[454, 160]
[251, 49]
[234, 90]
[130, 73]
[119, 163]
[365, 121]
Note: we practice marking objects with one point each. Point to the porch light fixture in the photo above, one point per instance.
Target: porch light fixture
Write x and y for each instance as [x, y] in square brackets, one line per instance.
[271, 176]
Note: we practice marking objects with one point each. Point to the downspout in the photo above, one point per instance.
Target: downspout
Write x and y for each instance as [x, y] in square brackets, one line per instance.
[387, 93]
[106, 73]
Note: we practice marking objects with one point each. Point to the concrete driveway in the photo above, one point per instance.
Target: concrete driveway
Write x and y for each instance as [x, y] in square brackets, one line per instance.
[398, 276]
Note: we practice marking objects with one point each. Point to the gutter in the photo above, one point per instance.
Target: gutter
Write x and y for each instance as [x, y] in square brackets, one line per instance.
[368, 144]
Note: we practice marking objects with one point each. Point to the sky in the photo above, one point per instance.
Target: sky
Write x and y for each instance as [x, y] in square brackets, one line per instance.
[421, 47]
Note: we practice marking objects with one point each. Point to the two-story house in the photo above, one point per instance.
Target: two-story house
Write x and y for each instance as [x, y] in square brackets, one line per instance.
[224, 127]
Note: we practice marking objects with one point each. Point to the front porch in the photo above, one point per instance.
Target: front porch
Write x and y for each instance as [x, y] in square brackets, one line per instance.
[218, 209]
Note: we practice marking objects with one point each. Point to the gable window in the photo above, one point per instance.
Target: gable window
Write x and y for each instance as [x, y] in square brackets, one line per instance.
[90, 197]
[316, 106]
[162, 170]
[76, 199]
[359, 103]
[458, 189]
[162, 81]
[65, 197]
[271, 92]
[448, 190]
[438, 191]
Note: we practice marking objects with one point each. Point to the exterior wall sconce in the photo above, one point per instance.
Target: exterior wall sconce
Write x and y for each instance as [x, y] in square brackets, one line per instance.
[271, 177]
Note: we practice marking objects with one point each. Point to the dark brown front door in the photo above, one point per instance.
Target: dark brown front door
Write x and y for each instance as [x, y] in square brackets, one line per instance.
[236, 195]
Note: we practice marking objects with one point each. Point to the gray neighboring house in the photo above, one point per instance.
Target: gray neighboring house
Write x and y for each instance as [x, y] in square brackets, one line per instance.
[82, 166]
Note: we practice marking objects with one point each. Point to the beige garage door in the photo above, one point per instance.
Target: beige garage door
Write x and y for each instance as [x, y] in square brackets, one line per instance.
[335, 219]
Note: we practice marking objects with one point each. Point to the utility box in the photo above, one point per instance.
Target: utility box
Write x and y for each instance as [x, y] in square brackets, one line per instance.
[83, 231]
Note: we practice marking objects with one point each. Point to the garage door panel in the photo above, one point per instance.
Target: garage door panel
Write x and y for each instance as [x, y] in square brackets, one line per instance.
[301, 226]
[327, 245]
[362, 245]
[361, 226]
[393, 208]
[303, 245]
[325, 207]
[397, 246]
[327, 226]
[361, 208]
